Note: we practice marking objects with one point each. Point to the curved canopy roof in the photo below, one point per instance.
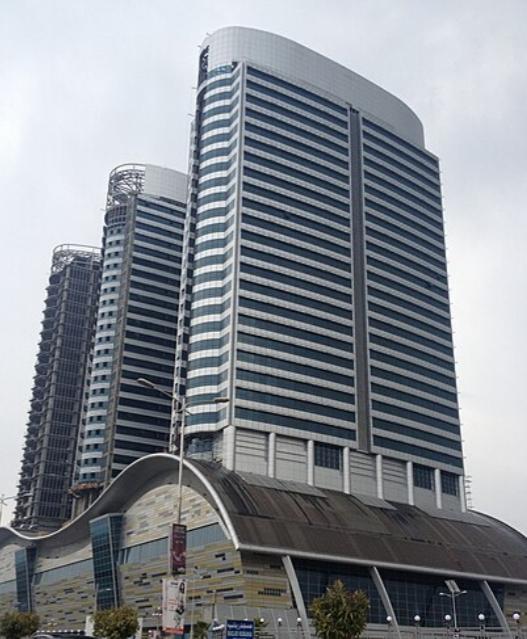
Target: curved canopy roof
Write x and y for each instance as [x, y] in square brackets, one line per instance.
[282, 517]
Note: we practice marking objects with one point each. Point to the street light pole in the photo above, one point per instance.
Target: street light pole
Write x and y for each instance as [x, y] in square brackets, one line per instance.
[4, 500]
[184, 412]
[453, 596]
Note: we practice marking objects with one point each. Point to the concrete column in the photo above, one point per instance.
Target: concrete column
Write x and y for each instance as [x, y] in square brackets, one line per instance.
[297, 594]
[378, 475]
[410, 482]
[346, 470]
[385, 598]
[462, 496]
[438, 489]
[491, 598]
[271, 455]
[229, 447]
[311, 462]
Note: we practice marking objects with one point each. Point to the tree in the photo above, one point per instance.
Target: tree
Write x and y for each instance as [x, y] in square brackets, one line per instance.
[15, 625]
[340, 614]
[200, 630]
[116, 623]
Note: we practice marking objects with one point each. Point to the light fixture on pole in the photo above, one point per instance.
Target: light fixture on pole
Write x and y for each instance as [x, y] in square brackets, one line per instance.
[4, 500]
[178, 408]
[453, 592]
[516, 618]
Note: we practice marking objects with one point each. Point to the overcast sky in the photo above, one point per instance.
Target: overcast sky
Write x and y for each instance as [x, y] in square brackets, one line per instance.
[88, 84]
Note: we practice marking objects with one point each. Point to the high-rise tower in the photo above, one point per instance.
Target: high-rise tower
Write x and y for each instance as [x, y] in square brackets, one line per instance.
[319, 299]
[56, 405]
[136, 323]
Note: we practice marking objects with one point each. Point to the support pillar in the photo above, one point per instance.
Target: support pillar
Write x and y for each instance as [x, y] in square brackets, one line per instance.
[346, 470]
[297, 593]
[378, 476]
[311, 462]
[271, 455]
[438, 488]
[410, 482]
[229, 447]
[385, 598]
[500, 615]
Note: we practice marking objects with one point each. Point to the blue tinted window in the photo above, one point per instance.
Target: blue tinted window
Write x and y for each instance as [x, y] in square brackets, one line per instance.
[412, 352]
[291, 422]
[299, 387]
[377, 294]
[289, 280]
[299, 205]
[291, 367]
[328, 456]
[413, 368]
[302, 119]
[343, 265]
[293, 331]
[404, 413]
[416, 433]
[295, 173]
[296, 130]
[294, 144]
[292, 298]
[294, 266]
[297, 159]
[295, 234]
[293, 349]
[413, 383]
[293, 404]
[418, 451]
[449, 483]
[413, 337]
[297, 316]
[294, 188]
[299, 90]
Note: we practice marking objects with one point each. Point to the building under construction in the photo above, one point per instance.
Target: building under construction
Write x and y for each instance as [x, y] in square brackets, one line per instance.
[55, 413]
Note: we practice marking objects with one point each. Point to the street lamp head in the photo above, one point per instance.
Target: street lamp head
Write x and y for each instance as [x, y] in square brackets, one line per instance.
[516, 616]
[262, 620]
[417, 618]
[481, 617]
[298, 621]
[389, 619]
[279, 621]
[145, 382]
[444, 594]
[448, 618]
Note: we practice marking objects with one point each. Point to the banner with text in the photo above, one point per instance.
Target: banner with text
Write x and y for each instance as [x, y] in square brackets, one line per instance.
[178, 549]
[174, 603]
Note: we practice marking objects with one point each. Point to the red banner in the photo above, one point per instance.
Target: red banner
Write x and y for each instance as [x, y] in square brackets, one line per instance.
[178, 549]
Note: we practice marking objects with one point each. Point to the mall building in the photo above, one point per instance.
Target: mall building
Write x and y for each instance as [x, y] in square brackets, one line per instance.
[314, 303]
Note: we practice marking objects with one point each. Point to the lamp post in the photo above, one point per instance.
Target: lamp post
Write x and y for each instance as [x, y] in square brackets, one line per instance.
[417, 621]
[389, 621]
[184, 412]
[279, 623]
[453, 596]
[516, 618]
[4, 500]
[481, 619]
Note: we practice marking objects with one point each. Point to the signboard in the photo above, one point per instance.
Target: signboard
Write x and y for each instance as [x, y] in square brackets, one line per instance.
[178, 549]
[238, 629]
[174, 603]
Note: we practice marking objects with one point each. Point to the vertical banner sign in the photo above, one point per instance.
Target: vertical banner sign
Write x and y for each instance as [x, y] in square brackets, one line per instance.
[238, 629]
[178, 549]
[174, 603]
